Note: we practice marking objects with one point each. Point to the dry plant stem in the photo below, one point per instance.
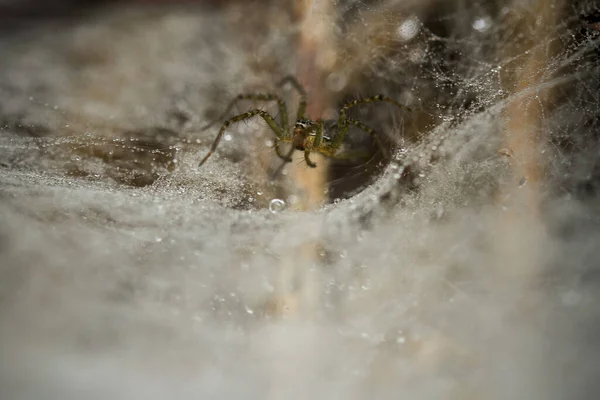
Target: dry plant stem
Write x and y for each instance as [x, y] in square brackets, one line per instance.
[316, 56]
[524, 136]
[525, 139]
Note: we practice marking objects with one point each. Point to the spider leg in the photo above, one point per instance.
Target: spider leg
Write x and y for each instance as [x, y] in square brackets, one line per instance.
[307, 159]
[252, 113]
[316, 143]
[372, 133]
[296, 85]
[286, 158]
[319, 135]
[256, 97]
[343, 118]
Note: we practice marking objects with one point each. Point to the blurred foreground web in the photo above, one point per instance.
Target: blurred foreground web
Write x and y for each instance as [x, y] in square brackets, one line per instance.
[464, 268]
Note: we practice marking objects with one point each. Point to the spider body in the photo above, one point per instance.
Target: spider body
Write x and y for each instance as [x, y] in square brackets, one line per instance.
[305, 135]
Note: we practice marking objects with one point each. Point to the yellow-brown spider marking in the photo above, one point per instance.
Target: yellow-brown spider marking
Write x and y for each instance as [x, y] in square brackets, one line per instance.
[306, 135]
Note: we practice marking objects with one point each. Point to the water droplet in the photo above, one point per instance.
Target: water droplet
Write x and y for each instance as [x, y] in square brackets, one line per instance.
[408, 29]
[227, 138]
[482, 24]
[276, 205]
[336, 81]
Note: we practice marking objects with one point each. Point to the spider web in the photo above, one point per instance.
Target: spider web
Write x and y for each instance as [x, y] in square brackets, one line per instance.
[127, 272]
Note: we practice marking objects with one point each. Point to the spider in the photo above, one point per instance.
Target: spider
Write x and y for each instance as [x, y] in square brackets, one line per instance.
[306, 135]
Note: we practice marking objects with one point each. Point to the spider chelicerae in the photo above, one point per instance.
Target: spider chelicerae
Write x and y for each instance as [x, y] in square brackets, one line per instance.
[306, 135]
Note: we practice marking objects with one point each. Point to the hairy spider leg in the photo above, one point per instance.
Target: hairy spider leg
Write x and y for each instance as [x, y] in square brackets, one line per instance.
[296, 85]
[252, 113]
[372, 133]
[316, 144]
[285, 158]
[308, 160]
[256, 97]
[343, 118]
[319, 134]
